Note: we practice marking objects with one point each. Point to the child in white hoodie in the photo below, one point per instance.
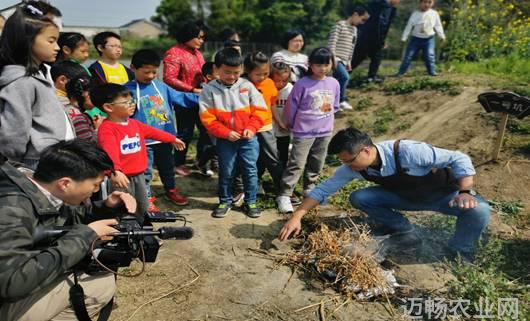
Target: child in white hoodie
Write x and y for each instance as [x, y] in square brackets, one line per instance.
[423, 23]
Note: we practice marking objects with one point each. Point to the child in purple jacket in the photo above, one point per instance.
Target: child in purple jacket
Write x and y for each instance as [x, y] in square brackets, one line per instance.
[309, 114]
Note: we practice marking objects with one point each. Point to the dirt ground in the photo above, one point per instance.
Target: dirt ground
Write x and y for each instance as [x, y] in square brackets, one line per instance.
[219, 275]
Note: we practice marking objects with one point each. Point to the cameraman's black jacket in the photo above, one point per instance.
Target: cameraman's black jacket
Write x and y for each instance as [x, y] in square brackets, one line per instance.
[24, 267]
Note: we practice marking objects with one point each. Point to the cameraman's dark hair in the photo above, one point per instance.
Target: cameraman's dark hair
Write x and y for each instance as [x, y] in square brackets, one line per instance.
[78, 159]
[360, 10]
[145, 57]
[18, 34]
[72, 40]
[280, 67]
[290, 34]
[228, 56]
[107, 93]
[207, 69]
[189, 31]
[254, 60]
[76, 87]
[101, 39]
[320, 56]
[67, 68]
[350, 140]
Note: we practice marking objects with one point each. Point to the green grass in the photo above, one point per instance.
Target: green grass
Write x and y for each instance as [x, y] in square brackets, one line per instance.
[341, 199]
[407, 87]
[510, 67]
[491, 278]
[385, 117]
[508, 208]
[364, 103]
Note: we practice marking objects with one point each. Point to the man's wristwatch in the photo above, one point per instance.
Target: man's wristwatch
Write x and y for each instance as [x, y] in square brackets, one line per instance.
[468, 191]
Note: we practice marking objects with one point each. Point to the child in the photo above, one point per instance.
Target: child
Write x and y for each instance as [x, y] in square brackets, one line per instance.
[154, 107]
[208, 154]
[309, 114]
[341, 42]
[78, 90]
[74, 47]
[257, 69]
[31, 117]
[124, 140]
[108, 69]
[423, 23]
[233, 110]
[61, 72]
[281, 74]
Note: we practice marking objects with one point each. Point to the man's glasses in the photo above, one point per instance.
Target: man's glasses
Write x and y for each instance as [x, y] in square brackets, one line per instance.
[350, 161]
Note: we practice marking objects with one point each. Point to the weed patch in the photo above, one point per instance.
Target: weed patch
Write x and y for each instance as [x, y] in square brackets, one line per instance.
[407, 87]
[385, 117]
[341, 198]
[485, 284]
[364, 103]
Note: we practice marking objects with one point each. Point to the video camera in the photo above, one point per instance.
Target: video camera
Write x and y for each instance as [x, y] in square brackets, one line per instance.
[131, 242]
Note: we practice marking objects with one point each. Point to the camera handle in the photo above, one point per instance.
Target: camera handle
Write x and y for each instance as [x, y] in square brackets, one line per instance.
[77, 298]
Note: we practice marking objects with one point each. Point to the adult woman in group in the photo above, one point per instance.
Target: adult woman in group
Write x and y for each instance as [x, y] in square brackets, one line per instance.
[182, 71]
[293, 43]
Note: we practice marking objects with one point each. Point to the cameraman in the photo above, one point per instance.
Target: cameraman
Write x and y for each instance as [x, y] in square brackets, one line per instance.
[35, 278]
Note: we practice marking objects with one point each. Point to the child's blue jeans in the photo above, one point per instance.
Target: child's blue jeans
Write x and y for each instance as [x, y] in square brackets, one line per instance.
[243, 153]
[426, 45]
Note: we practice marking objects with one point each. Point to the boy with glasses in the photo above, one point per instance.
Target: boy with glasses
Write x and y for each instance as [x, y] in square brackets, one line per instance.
[124, 140]
[108, 69]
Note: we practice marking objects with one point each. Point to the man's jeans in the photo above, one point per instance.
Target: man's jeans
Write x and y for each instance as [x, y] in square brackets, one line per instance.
[343, 77]
[243, 153]
[426, 45]
[383, 205]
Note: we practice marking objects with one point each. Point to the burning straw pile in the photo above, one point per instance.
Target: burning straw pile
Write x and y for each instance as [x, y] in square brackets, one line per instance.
[348, 257]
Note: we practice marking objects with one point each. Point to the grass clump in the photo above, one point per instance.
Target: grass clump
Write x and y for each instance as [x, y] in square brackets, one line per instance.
[385, 117]
[485, 284]
[407, 87]
[341, 198]
[364, 103]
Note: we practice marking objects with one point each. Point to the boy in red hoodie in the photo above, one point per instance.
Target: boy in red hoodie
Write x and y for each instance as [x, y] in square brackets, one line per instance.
[123, 138]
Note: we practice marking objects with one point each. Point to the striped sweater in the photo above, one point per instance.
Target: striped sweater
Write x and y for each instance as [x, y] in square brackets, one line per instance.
[342, 40]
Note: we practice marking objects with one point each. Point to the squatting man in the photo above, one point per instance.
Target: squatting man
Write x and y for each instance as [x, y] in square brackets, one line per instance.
[409, 176]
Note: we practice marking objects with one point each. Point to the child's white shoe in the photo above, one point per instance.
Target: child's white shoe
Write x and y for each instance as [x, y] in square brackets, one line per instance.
[284, 204]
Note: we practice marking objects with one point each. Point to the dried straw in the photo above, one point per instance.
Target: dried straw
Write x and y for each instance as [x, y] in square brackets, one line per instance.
[349, 252]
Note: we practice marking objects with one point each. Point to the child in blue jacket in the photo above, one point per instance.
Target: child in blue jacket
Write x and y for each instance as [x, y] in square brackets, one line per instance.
[154, 107]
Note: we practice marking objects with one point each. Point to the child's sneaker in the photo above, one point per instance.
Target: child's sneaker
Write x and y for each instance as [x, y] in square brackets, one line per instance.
[182, 170]
[284, 204]
[221, 210]
[174, 196]
[152, 207]
[252, 210]
[205, 170]
[345, 105]
[238, 199]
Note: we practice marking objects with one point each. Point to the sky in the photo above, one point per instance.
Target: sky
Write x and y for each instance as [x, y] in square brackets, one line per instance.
[104, 13]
